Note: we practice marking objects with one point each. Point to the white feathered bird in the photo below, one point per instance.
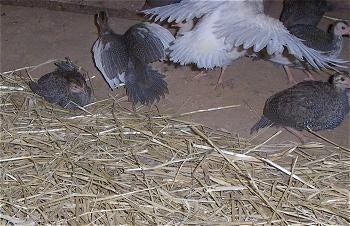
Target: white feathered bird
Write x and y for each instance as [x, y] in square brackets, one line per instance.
[227, 29]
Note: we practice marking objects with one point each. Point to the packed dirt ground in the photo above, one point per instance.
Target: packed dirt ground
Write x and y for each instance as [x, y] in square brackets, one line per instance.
[30, 36]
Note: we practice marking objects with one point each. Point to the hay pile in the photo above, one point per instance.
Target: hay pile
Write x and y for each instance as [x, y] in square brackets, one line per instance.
[108, 165]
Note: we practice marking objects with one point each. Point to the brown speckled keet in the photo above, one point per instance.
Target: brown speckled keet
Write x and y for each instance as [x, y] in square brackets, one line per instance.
[65, 86]
[316, 105]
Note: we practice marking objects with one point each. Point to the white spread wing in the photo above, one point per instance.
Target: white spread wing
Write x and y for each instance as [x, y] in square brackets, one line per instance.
[251, 28]
[184, 10]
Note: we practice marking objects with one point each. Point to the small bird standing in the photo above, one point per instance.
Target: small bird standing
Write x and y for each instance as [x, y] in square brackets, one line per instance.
[124, 59]
[301, 19]
[314, 105]
[331, 43]
[65, 86]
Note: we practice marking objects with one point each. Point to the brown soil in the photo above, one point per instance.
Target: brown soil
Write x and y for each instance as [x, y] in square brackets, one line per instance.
[30, 36]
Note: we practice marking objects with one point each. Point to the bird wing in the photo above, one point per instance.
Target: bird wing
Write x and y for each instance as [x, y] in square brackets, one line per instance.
[148, 41]
[202, 47]
[199, 45]
[111, 58]
[184, 10]
[251, 28]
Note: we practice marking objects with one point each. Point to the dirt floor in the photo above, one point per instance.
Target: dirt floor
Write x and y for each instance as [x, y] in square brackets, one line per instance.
[30, 36]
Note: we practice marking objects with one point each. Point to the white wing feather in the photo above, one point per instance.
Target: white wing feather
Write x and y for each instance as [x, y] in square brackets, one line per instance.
[184, 10]
[202, 47]
[251, 28]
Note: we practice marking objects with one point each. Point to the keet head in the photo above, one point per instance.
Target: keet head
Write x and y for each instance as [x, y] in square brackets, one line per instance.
[76, 83]
[341, 28]
[341, 80]
[101, 21]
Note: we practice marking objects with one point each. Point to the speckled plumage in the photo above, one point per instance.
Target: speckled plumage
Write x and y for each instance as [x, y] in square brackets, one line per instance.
[307, 12]
[314, 104]
[124, 58]
[329, 42]
[157, 3]
[65, 86]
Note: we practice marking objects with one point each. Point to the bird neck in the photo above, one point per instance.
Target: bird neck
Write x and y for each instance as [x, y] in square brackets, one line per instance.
[338, 44]
[104, 29]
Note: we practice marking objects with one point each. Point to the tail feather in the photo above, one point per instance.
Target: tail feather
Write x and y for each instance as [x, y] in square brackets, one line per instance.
[262, 123]
[143, 84]
[34, 87]
[66, 65]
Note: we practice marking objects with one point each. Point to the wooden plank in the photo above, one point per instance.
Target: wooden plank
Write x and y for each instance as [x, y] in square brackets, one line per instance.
[75, 7]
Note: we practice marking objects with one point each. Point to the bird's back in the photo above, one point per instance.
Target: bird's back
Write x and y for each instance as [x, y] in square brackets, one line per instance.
[304, 11]
[143, 43]
[158, 3]
[312, 104]
[52, 86]
[313, 37]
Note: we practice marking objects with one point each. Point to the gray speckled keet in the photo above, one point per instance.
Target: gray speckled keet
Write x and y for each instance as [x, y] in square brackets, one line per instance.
[124, 58]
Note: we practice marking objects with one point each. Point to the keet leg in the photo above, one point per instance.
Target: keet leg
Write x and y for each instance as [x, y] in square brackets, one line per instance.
[309, 75]
[219, 82]
[298, 134]
[201, 74]
[290, 76]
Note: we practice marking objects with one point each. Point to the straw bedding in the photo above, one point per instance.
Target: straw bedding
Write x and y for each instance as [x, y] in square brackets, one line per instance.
[109, 165]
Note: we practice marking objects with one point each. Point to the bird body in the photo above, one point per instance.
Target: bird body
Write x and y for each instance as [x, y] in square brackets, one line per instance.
[124, 58]
[314, 105]
[308, 12]
[331, 43]
[157, 3]
[65, 86]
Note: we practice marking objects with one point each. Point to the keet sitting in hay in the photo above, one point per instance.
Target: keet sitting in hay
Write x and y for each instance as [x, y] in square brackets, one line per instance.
[65, 86]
